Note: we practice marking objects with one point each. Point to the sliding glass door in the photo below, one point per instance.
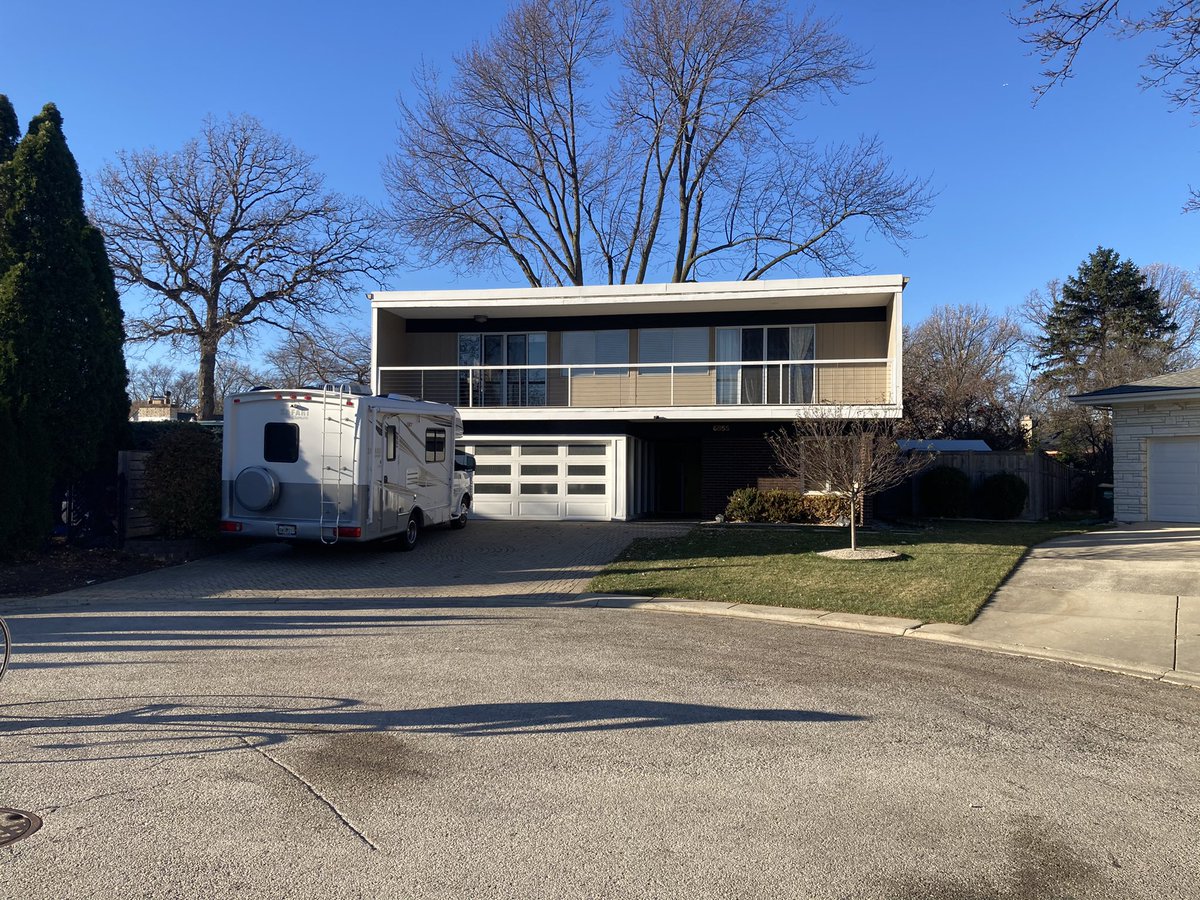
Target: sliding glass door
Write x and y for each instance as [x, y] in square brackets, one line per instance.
[497, 383]
[765, 374]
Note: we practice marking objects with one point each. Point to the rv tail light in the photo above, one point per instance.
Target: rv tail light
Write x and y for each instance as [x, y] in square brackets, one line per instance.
[231, 526]
[237, 399]
[347, 532]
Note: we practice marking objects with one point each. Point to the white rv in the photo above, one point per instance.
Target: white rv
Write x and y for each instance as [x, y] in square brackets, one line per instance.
[338, 464]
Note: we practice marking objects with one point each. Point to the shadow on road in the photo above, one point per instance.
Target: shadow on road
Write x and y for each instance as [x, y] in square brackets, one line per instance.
[111, 728]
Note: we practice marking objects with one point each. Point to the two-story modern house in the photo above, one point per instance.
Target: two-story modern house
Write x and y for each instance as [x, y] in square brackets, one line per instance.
[617, 402]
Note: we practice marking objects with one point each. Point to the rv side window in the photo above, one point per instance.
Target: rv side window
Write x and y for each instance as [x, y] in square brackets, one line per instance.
[390, 439]
[435, 445]
[281, 442]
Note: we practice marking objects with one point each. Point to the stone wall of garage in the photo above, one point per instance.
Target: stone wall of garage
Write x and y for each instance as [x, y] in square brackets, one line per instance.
[1132, 426]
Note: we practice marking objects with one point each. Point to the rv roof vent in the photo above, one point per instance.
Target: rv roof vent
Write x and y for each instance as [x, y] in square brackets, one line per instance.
[401, 397]
[261, 387]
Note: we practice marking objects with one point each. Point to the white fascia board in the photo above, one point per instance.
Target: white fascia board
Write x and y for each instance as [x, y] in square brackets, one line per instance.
[1159, 396]
[714, 414]
[868, 290]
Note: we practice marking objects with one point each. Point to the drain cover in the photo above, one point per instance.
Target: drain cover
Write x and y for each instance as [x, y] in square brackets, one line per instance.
[16, 824]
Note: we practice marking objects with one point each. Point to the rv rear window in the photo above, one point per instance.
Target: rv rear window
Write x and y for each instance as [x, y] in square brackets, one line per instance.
[435, 445]
[281, 442]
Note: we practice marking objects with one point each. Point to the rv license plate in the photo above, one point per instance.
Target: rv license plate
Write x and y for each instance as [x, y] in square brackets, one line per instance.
[285, 530]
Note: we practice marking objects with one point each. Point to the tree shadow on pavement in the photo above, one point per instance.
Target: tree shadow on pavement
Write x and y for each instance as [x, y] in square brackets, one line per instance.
[93, 729]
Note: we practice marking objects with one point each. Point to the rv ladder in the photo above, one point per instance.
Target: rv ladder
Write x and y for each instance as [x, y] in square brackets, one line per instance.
[334, 471]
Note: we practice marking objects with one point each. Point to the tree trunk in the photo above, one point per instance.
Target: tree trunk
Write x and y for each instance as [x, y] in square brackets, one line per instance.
[206, 381]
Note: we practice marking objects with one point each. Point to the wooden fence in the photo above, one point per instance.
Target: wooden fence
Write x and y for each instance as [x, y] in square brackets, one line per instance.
[1051, 484]
[131, 472]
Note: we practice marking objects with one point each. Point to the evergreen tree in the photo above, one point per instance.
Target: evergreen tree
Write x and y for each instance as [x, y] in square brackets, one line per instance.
[1106, 326]
[62, 374]
[10, 131]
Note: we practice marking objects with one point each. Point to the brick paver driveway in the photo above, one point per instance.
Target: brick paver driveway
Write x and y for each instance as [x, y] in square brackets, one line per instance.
[527, 562]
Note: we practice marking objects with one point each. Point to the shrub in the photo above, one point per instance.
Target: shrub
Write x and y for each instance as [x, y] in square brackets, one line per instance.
[944, 491]
[1001, 496]
[753, 505]
[183, 482]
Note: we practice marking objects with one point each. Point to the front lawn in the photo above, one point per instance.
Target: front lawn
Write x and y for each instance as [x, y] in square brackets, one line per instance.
[949, 569]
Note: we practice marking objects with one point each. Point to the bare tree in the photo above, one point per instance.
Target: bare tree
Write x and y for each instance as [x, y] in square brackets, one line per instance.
[960, 378]
[326, 355]
[1058, 30]
[151, 380]
[697, 167]
[234, 231]
[1180, 299]
[233, 376]
[855, 458]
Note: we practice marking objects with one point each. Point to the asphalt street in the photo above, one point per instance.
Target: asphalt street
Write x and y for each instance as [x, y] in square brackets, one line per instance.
[347, 725]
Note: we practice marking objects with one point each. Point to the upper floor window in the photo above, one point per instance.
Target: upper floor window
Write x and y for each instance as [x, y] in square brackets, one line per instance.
[581, 348]
[673, 345]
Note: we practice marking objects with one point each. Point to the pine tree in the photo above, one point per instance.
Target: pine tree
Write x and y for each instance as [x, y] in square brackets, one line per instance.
[1106, 326]
[62, 374]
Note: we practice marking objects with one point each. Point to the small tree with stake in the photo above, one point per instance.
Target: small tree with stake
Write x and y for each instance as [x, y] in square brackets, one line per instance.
[856, 458]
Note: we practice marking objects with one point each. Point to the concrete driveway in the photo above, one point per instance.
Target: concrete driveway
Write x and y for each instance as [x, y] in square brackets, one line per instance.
[1130, 594]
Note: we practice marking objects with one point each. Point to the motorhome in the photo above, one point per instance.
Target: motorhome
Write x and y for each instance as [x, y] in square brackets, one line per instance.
[338, 464]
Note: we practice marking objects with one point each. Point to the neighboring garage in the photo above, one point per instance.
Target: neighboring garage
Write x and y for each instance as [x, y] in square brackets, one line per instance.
[1156, 447]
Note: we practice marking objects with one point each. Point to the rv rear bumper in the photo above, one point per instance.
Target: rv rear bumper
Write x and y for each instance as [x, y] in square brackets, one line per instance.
[294, 531]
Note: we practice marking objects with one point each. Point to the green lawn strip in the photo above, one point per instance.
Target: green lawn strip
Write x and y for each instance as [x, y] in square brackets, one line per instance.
[947, 573]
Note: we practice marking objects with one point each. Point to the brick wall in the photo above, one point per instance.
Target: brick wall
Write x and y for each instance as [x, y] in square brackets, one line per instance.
[1132, 426]
[729, 462]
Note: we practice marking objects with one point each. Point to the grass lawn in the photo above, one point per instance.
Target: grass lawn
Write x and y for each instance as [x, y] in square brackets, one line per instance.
[949, 569]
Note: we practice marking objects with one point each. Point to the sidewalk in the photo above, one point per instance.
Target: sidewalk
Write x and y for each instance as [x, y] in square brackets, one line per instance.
[1125, 599]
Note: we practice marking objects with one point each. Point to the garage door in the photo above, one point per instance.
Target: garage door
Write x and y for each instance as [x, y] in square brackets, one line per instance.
[544, 480]
[1175, 479]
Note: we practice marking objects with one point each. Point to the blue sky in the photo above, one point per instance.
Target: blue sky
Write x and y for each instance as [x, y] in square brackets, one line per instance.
[1024, 193]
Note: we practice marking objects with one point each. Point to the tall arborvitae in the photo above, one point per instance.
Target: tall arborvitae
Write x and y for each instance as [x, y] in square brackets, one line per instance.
[12, 492]
[63, 375]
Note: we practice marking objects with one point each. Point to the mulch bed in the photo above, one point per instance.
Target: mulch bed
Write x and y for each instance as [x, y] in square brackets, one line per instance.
[63, 568]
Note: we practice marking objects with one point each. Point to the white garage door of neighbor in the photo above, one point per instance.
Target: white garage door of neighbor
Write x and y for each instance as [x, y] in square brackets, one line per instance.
[544, 480]
[1175, 479]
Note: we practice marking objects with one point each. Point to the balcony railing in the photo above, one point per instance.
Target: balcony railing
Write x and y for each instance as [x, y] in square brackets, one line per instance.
[772, 383]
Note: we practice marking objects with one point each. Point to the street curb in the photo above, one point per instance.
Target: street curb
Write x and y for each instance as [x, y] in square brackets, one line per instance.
[937, 632]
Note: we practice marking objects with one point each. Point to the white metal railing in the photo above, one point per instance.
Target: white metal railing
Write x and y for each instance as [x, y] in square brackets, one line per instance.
[709, 383]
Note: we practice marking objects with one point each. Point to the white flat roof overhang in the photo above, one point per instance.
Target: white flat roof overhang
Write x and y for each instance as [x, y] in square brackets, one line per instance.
[720, 296]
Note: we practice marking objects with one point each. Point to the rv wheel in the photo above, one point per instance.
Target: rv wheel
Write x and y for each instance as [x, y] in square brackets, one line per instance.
[460, 520]
[408, 539]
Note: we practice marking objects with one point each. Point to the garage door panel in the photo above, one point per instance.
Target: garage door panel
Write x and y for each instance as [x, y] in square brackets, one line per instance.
[1174, 479]
[554, 479]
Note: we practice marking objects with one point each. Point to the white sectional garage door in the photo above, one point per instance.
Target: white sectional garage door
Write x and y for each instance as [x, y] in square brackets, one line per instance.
[1175, 479]
[530, 479]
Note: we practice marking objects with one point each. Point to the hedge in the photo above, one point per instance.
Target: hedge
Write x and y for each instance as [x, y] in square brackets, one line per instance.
[753, 505]
[183, 481]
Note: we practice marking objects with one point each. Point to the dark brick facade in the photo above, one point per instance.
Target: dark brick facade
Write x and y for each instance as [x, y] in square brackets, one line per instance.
[732, 460]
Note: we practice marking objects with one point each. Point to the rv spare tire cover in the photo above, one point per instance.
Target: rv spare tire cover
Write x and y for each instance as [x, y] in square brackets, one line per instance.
[256, 488]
